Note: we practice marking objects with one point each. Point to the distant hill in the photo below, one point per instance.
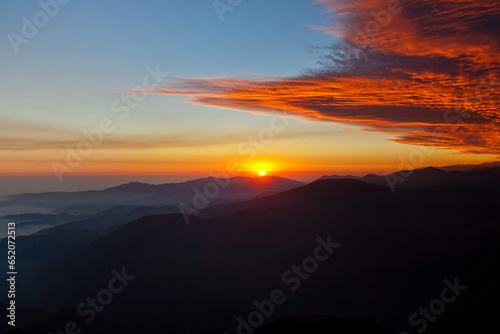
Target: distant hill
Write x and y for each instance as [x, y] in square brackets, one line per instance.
[142, 194]
[428, 176]
[30, 223]
[466, 168]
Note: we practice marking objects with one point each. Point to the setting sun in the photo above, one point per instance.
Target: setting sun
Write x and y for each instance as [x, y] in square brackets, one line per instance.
[262, 172]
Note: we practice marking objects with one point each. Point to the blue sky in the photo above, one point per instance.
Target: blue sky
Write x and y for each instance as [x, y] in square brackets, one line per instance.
[90, 50]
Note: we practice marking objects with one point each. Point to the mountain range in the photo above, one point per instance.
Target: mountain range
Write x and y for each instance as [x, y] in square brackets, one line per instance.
[392, 254]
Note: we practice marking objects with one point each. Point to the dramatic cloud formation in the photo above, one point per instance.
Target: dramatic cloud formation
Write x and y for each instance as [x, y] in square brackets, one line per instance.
[424, 71]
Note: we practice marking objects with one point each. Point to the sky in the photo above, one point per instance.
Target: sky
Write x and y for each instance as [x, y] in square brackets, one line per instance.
[297, 88]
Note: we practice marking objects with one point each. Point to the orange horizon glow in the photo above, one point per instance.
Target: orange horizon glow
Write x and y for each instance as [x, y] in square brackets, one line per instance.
[301, 175]
[300, 167]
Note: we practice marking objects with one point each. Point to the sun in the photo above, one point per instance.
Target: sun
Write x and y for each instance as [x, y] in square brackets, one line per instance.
[261, 168]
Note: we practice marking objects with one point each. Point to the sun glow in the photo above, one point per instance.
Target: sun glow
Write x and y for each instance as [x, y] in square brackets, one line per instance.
[262, 168]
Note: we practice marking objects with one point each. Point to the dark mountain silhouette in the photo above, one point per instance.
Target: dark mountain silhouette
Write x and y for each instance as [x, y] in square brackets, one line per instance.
[344, 188]
[111, 217]
[339, 177]
[429, 176]
[28, 217]
[236, 188]
[65, 239]
[30, 223]
[397, 249]
[466, 168]
[134, 186]
[321, 325]
[142, 194]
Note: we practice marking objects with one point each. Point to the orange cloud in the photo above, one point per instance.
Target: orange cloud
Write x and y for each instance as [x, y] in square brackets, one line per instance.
[443, 27]
[424, 71]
